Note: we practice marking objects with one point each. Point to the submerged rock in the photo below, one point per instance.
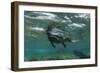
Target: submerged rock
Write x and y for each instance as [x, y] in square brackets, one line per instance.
[81, 54]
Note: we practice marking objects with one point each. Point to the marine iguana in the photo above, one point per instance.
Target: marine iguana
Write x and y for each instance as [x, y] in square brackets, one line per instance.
[56, 35]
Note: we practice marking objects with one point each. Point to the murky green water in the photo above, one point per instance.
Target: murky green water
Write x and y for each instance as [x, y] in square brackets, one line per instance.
[37, 47]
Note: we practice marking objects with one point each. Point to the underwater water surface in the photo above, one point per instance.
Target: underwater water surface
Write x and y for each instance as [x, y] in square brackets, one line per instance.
[73, 26]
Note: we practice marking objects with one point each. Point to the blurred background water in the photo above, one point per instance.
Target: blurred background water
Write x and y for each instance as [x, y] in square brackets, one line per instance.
[37, 46]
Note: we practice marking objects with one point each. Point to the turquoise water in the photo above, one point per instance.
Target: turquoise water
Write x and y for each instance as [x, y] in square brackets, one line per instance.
[37, 47]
